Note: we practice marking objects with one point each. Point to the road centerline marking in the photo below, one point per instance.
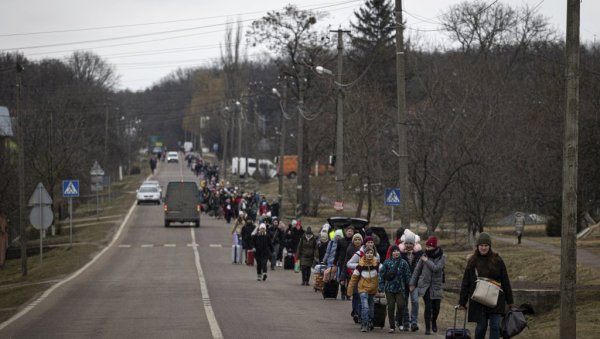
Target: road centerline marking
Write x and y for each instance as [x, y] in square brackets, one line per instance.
[210, 314]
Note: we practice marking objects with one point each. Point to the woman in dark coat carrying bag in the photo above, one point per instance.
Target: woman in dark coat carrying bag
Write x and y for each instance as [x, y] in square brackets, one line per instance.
[484, 263]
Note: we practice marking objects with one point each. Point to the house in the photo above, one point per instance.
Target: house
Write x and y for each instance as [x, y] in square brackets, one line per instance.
[6, 131]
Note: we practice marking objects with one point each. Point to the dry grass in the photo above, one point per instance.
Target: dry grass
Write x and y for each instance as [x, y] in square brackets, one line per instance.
[61, 260]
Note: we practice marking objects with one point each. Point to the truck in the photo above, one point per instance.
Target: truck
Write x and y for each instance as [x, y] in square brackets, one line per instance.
[265, 167]
[290, 167]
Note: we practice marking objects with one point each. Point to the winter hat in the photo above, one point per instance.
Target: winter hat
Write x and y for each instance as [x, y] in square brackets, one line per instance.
[339, 233]
[409, 239]
[262, 226]
[308, 230]
[367, 239]
[484, 238]
[357, 235]
[294, 222]
[369, 249]
[408, 233]
[399, 233]
[432, 241]
[395, 248]
[369, 231]
[324, 237]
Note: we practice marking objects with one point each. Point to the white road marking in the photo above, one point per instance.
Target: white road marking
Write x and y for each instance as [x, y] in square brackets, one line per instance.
[147, 245]
[170, 245]
[45, 295]
[215, 245]
[210, 315]
[192, 245]
[124, 246]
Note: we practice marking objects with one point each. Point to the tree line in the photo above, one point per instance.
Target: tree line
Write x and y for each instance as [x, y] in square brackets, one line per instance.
[485, 127]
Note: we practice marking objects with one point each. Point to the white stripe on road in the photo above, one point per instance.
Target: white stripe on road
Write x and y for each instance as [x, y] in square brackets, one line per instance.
[169, 245]
[45, 295]
[215, 245]
[147, 245]
[125, 246]
[210, 315]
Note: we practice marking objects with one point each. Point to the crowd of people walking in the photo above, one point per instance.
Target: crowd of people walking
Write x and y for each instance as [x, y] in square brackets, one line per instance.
[409, 271]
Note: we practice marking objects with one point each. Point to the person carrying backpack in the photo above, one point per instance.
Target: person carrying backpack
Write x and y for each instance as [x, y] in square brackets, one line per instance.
[394, 279]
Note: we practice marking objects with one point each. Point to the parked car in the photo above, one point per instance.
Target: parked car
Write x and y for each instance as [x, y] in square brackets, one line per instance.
[182, 203]
[148, 193]
[360, 225]
[172, 157]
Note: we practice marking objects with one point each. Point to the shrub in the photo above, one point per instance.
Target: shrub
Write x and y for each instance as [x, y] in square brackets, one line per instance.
[135, 170]
[553, 227]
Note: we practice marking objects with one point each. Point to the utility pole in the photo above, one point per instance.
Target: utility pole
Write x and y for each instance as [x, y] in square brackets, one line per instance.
[568, 244]
[21, 170]
[282, 148]
[106, 136]
[300, 171]
[339, 130]
[239, 145]
[401, 96]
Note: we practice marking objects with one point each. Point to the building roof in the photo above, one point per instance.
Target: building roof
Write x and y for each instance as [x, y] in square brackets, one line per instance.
[5, 123]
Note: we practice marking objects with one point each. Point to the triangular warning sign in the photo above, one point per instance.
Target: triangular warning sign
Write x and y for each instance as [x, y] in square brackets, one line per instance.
[393, 197]
[71, 189]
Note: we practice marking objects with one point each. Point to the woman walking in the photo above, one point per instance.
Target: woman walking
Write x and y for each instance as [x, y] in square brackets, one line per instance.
[307, 253]
[485, 263]
[262, 251]
[428, 279]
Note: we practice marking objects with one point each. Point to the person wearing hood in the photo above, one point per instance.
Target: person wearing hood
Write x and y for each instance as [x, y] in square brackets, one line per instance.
[394, 279]
[294, 235]
[411, 254]
[341, 260]
[307, 253]
[485, 263]
[322, 246]
[329, 257]
[262, 251]
[397, 242]
[428, 280]
[366, 277]
[247, 232]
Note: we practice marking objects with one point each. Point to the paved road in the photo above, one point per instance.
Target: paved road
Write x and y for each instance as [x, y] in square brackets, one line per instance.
[178, 282]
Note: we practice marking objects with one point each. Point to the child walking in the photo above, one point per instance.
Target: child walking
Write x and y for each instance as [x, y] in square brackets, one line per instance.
[395, 277]
[366, 275]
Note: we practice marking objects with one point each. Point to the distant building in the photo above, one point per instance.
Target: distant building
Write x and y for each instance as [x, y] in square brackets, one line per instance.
[6, 131]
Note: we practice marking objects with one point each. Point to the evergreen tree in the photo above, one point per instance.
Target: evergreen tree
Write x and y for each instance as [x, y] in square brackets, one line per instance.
[375, 30]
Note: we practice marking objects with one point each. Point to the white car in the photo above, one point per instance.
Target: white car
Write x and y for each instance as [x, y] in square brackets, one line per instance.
[153, 183]
[148, 193]
[172, 157]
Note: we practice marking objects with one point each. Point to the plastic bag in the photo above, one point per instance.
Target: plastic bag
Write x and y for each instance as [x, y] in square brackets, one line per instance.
[296, 265]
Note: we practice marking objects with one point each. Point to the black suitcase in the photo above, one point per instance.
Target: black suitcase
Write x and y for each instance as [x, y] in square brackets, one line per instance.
[454, 332]
[288, 262]
[330, 289]
[379, 314]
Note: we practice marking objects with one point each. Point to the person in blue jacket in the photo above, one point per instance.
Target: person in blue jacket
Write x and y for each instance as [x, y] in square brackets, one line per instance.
[394, 279]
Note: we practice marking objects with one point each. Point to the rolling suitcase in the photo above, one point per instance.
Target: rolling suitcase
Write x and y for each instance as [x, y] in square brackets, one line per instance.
[250, 258]
[330, 289]
[288, 262]
[380, 313]
[236, 254]
[454, 332]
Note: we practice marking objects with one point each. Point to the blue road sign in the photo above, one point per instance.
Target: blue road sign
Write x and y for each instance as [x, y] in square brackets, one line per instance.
[392, 196]
[70, 188]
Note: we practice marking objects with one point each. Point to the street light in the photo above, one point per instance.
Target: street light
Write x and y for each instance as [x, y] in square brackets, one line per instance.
[339, 139]
[239, 151]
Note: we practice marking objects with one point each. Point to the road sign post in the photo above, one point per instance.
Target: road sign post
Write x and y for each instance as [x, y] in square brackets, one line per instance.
[70, 191]
[97, 172]
[392, 198]
[41, 214]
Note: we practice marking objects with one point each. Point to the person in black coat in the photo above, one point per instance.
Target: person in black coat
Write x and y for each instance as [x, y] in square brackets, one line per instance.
[485, 263]
[247, 236]
[295, 233]
[263, 248]
[340, 258]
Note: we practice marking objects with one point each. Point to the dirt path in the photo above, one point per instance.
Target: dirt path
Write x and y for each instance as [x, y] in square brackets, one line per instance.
[584, 257]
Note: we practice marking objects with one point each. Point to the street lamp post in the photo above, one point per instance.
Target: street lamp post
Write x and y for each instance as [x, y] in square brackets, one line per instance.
[239, 150]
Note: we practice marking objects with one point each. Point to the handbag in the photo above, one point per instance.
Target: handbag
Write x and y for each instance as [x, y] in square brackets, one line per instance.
[513, 323]
[486, 291]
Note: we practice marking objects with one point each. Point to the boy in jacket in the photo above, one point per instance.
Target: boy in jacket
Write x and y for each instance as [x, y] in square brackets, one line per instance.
[366, 276]
[395, 276]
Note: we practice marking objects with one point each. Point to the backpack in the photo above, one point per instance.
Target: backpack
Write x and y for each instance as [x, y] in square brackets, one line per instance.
[391, 274]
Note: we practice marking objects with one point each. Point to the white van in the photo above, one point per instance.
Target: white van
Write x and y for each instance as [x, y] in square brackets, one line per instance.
[265, 167]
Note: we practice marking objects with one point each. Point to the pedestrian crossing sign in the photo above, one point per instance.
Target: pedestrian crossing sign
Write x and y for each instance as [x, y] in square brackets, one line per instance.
[392, 196]
[70, 188]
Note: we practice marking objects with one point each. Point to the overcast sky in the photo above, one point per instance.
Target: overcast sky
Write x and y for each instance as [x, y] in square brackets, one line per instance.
[147, 39]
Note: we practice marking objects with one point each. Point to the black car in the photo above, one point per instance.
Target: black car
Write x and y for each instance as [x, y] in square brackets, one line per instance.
[359, 225]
